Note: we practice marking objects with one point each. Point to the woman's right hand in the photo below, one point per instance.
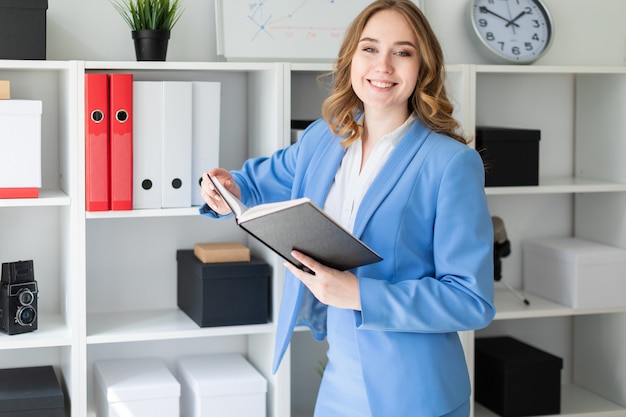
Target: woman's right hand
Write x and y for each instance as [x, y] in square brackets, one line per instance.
[211, 195]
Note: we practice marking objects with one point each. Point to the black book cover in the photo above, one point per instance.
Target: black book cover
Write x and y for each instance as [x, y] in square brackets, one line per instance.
[301, 225]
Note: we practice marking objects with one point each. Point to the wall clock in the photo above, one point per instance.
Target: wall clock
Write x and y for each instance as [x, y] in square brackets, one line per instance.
[512, 31]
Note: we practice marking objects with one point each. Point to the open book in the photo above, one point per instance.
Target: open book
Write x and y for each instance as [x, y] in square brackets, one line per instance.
[299, 224]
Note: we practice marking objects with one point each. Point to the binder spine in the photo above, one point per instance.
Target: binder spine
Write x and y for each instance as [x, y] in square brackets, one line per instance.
[147, 139]
[97, 176]
[121, 146]
[177, 143]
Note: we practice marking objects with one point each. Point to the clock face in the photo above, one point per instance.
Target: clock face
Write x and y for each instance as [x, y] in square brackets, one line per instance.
[518, 31]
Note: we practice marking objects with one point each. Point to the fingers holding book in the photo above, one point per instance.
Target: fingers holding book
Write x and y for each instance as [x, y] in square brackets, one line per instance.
[330, 286]
[211, 195]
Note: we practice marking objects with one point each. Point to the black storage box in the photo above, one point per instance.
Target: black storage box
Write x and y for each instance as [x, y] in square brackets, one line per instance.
[23, 29]
[30, 392]
[511, 156]
[515, 379]
[223, 294]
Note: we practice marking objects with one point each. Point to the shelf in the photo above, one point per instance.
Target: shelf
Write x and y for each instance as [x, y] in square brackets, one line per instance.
[135, 326]
[509, 306]
[36, 65]
[51, 331]
[575, 402]
[177, 66]
[548, 69]
[143, 213]
[47, 198]
[560, 185]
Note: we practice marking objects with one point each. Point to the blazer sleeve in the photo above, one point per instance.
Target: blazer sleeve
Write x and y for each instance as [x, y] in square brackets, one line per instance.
[456, 292]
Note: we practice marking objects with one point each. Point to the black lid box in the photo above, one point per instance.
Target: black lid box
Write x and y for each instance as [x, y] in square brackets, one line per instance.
[515, 379]
[23, 29]
[223, 294]
[30, 392]
[511, 156]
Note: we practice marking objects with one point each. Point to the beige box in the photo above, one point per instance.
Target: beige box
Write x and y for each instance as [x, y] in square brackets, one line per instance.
[5, 89]
[221, 252]
[575, 272]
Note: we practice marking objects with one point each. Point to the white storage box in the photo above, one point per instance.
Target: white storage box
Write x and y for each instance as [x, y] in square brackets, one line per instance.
[20, 146]
[575, 272]
[139, 387]
[224, 385]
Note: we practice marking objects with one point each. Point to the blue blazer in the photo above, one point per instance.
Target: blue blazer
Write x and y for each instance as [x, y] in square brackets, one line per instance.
[426, 214]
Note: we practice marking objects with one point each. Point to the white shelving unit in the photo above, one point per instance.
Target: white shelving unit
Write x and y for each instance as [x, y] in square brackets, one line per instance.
[571, 200]
[581, 193]
[131, 307]
[107, 280]
[46, 229]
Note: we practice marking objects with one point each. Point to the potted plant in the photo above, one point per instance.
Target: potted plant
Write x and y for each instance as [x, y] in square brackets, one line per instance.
[151, 22]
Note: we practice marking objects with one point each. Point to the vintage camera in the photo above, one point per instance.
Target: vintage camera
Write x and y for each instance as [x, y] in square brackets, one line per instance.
[18, 298]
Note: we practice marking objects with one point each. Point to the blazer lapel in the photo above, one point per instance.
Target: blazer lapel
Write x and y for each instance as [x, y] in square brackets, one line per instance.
[323, 168]
[393, 170]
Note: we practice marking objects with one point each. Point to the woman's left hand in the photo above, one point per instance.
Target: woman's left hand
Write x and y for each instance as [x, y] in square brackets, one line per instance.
[330, 286]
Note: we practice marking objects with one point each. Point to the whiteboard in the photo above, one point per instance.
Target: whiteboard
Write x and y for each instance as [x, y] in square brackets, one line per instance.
[291, 30]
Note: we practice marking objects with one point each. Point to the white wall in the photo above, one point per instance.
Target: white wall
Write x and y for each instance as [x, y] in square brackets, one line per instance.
[93, 30]
[588, 32]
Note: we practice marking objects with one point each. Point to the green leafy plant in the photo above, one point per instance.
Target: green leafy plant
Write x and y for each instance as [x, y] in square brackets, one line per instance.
[149, 14]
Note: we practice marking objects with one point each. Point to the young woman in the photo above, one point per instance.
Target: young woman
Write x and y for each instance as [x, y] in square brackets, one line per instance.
[388, 163]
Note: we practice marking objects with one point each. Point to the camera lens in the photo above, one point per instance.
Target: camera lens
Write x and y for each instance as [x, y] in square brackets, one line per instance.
[25, 297]
[25, 316]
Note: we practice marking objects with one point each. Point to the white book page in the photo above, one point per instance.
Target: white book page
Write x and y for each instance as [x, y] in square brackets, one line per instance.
[237, 207]
[264, 209]
[243, 213]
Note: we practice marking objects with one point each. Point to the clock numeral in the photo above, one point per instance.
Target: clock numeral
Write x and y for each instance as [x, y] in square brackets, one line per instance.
[528, 46]
[535, 37]
[536, 23]
[528, 10]
[515, 50]
[489, 36]
[482, 23]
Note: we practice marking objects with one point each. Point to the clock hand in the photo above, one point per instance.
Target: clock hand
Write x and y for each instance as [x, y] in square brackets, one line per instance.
[483, 9]
[512, 22]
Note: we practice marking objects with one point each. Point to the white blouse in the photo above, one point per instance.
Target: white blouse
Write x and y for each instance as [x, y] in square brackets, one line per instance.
[351, 183]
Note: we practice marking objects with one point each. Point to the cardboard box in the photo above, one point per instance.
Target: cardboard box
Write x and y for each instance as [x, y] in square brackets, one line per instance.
[31, 392]
[515, 379]
[5, 89]
[138, 387]
[221, 385]
[20, 147]
[511, 156]
[221, 252]
[223, 294]
[23, 29]
[575, 272]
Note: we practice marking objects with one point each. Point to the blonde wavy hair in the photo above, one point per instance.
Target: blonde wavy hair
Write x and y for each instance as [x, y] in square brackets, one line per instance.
[429, 102]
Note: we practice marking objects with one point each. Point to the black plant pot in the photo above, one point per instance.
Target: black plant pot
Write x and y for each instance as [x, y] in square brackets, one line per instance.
[151, 45]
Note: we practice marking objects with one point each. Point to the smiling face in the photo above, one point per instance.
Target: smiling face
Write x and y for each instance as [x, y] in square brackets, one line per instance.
[385, 65]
